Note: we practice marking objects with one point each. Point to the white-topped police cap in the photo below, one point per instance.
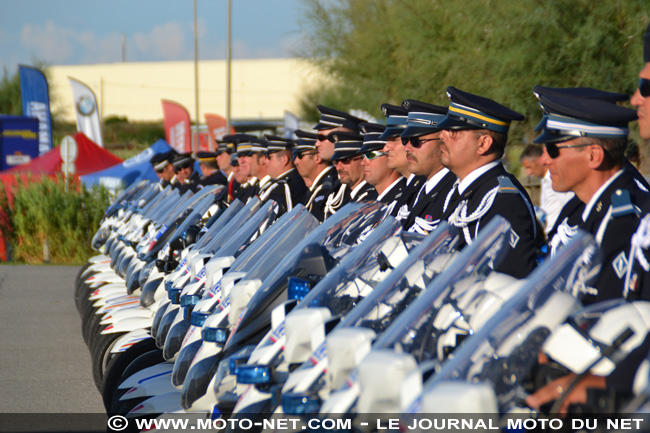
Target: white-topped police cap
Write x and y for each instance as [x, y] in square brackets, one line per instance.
[331, 118]
[306, 141]
[396, 117]
[469, 111]
[162, 160]
[346, 144]
[372, 136]
[577, 92]
[244, 143]
[182, 160]
[276, 143]
[259, 145]
[423, 118]
[567, 118]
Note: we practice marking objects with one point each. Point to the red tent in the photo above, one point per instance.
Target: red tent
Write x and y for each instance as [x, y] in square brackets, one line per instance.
[90, 159]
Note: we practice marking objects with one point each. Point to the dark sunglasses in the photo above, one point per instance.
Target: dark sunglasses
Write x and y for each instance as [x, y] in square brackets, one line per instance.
[644, 87]
[300, 155]
[348, 160]
[553, 149]
[177, 169]
[373, 154]
[321, 137]
[416, 142]
[160, 170]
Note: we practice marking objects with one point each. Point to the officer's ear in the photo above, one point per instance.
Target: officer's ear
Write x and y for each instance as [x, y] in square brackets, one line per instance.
[596, 156]
[484, 144]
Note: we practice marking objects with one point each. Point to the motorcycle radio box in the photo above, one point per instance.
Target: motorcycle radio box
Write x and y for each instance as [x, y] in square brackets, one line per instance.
[18, 140]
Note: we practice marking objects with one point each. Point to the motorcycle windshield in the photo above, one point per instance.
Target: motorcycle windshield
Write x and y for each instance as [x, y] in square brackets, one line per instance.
[219, 224]
[309, 258]
[252, 228]
[290, 227]
[188, 201]
[505, 350]
[398, 289]
[417, 329]
[356, 274]
[233, 225]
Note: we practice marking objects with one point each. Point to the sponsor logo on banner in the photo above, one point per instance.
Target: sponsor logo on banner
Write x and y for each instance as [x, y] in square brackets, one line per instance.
[178, 136]
[85, 105]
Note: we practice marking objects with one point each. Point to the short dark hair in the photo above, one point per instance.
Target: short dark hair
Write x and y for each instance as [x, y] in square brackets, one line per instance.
[499, 141]
[614, 149]
[212, 163]
[532, 151]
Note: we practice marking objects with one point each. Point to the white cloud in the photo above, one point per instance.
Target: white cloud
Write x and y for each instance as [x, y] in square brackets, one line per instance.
[166, 42]
[52, 43]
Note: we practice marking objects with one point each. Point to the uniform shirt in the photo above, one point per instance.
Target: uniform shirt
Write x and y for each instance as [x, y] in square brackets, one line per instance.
[551, 201]
[612, 219]
[393, 194]
[286, 190]
[489, 191]
[403, 207]
[214, 178]
[264, 184]
[426, 210]
[316, 196]
[339, 198]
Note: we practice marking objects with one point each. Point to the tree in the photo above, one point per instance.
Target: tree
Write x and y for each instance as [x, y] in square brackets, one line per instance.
[387, 50]
[10, 101]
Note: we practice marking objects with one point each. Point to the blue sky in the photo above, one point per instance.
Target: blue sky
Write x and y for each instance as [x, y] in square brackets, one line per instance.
[69, 32]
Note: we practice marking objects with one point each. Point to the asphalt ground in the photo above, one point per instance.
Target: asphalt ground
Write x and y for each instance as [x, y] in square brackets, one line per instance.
[44, 363]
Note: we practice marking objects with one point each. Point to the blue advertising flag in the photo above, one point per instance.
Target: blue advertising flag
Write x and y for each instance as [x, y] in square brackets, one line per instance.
[36, 103]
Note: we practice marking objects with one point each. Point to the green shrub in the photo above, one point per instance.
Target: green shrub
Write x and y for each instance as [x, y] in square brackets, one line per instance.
[63, 214]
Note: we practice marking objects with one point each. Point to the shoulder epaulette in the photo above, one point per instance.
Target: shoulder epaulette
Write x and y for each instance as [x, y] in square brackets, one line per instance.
[506, 185]
[622, 204]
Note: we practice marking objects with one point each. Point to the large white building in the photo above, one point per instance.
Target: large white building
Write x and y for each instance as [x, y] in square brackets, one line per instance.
[261, 88]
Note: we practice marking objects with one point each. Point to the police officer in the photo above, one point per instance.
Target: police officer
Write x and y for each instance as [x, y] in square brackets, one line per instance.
[211, 173]
[387, 182]
[474, 137]
[287, 187]
[347, 161]
[319, 175]
[162, 165]
[187, 179]
[585, 142]
[248, 183]
[396, 120]
[422, 140]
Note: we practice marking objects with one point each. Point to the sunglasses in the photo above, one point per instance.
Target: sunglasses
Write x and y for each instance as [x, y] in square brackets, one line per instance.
[553, 150]
[373, 154]
[416, 142]
[321, 137]
[301, 155]
[348, 160]
[644, 87]
[177, 169]
[160, 170]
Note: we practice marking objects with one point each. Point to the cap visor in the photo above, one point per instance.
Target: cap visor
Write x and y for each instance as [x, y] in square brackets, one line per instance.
[370, 148]
[451, 123]
[342, 155]
[548, 137]
[391, 132]
[323, 126]
[414, 131]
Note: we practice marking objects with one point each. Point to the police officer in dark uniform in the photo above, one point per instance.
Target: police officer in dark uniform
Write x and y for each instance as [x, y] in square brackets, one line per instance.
[396, 119]
[187, 178]
[475, 133]
[388, 183]
[247, 188]
[211, 173]
[347, 161]
[313, 169]
[421, 139]
[585, 141]
[287, 187]
[162, 165]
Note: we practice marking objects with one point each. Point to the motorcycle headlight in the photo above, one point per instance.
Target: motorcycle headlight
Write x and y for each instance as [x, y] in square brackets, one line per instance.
[157, 318]
[253, 374]
[145, 272]
[197, 380]
[215, 335]
[297, 403]
[183, 362]
[174, 339]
